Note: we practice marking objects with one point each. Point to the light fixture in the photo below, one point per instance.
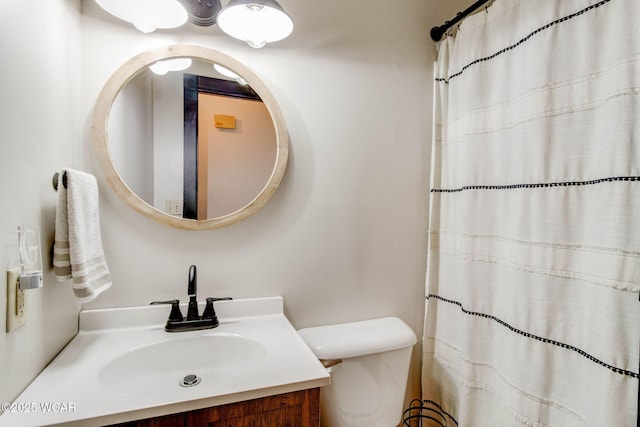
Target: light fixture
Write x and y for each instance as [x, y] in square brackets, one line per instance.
[257, 22]
[147, 15]
[163, 67]
[202, 12]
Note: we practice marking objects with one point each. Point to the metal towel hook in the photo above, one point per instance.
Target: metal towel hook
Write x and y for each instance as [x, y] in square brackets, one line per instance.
[56, 178]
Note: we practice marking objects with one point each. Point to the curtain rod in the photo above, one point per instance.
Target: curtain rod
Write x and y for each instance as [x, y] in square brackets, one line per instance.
[438, 32]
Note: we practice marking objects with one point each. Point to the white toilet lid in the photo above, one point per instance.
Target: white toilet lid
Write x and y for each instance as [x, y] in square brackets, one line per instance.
[356, 339]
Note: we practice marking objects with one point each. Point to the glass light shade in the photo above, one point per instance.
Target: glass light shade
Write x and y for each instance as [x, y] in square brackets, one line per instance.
[163, 67]
[255, 21]
[228, 73]
[147, 15]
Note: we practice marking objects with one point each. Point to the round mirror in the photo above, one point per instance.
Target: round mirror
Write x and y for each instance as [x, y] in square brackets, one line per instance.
[190, 137]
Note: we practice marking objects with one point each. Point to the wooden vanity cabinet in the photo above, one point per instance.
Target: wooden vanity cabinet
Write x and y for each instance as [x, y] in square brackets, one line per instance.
[295, 409]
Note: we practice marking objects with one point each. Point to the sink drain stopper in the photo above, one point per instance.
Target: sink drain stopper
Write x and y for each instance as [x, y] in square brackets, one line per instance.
[190, 381]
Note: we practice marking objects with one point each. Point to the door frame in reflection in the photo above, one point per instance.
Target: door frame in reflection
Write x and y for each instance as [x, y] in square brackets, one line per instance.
[194, 85]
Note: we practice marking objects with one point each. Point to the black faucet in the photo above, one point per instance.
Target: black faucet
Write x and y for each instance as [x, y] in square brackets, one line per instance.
[193, 322]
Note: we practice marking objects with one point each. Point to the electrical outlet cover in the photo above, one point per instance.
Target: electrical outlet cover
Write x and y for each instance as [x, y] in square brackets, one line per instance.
[16, 301]
[173, 207]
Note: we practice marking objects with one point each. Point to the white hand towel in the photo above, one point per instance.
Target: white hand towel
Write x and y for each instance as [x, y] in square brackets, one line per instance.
[77, 250]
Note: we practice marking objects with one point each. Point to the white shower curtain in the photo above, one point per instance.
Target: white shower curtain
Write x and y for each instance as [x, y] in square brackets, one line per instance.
[533, 281]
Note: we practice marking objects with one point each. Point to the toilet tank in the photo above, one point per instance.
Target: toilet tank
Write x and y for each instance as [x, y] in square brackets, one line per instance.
[369, 364]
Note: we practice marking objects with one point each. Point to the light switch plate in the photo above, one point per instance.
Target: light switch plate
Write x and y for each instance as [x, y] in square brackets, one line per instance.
[16, 301]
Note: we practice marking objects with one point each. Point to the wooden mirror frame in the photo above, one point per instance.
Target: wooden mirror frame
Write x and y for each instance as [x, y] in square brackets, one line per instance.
[101, 143]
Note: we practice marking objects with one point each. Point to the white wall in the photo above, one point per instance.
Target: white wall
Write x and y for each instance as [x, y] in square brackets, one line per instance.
[40, 133]
[343, 238]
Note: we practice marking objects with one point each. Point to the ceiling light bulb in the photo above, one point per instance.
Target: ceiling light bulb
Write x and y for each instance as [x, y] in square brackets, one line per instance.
[228, 73]
[256, 42]
[225, 71]
[159, 68]
[255, 21]
[144, 27]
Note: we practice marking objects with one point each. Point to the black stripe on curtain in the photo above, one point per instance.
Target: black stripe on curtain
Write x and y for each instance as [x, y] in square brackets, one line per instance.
[522, 40]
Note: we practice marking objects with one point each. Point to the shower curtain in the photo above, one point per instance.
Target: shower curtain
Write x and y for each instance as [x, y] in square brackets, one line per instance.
[533, 278]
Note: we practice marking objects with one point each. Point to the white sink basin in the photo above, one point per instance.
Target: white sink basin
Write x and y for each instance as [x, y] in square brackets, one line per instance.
[123, 366]
[160, 367]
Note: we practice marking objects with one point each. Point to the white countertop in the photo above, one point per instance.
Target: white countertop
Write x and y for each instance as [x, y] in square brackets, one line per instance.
[68, 391]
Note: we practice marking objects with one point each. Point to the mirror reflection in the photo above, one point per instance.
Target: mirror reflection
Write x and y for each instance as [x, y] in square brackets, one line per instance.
[192, 140]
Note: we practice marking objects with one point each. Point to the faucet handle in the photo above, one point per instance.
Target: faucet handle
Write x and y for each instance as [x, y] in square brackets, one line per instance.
[176, 314]
[209, 312]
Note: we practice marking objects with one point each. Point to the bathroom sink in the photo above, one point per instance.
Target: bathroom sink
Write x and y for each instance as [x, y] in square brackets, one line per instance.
[123, 366]
[163, 366]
